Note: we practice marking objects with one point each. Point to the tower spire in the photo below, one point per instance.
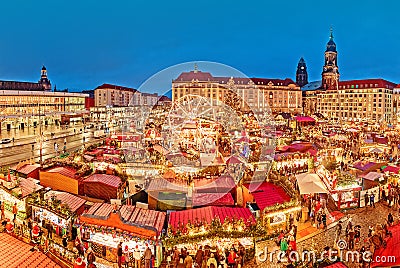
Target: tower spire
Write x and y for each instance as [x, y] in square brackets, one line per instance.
[196, 68]
[331, 33]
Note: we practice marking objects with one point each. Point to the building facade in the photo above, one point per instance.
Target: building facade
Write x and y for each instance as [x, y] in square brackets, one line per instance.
[358, 100]
[108, 95]
[27, 104]
[261, 94]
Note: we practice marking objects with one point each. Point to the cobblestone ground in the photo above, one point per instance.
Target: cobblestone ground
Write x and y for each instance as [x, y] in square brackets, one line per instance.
[364, 217]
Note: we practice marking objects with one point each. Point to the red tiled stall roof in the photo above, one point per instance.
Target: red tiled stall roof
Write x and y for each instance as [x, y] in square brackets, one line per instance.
[131, 215]
[162, 185]
[73, 202]
[26, 169]
[221, 184]
[207, 214]
[15, 253]
[268, 194]
[304, 119]
[110, 180]
[212, 199]
[29, 186]
[65, 171]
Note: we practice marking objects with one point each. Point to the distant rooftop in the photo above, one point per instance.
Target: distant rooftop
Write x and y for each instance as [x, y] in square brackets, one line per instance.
[207, 77]
[111, 86]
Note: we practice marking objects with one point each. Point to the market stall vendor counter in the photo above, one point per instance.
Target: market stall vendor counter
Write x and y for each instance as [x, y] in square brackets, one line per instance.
[105, 225]
[344, 188]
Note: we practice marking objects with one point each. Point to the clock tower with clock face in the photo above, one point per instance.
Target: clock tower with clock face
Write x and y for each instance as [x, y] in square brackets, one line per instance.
[301, 73]
[330, 71]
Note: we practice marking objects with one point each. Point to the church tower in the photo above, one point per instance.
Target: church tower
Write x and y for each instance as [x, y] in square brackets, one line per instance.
[301, 73]
[44, 80]
[330, 72]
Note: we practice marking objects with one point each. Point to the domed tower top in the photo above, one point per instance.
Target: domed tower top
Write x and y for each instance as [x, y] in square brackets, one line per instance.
[331, 46]
[44, 79]
[301, 73]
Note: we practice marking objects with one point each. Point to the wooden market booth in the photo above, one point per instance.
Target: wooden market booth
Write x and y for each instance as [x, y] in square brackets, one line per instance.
[105, 225]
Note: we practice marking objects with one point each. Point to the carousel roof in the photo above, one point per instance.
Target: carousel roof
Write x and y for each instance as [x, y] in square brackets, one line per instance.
[207, 214]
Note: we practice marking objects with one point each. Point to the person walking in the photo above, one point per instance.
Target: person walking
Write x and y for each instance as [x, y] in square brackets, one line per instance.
[15, 211]
[91, 258]
[339, 230]
[323, 216]
[366, 199]
[137, 257]
[147, 257]
[372, 200]
[198, 258]
[2, 210]
[119, 254]
[351, 238]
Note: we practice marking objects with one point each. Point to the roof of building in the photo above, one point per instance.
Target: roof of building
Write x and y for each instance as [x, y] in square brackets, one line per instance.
[207, 214]
[367, 83]
[110, 180]
[111, 86]
[29, 186]
[15, 253]
[312, 85]
[268, 194]
[26, 169]
[212, 199]
[73, 202]
[65, 171]
[206, 76]
[21, 85]
[164, 98]
[130, 214]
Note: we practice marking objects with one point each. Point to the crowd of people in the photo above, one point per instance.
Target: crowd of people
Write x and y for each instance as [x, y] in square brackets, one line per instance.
[207, 257]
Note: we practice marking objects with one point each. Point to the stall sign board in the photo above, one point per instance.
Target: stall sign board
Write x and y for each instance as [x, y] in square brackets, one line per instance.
[278, 218]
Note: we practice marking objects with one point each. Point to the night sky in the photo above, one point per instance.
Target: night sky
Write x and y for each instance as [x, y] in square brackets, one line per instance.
[86, 43]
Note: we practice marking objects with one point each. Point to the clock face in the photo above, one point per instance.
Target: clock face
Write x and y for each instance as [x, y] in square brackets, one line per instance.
[302, 67]
[325, 69]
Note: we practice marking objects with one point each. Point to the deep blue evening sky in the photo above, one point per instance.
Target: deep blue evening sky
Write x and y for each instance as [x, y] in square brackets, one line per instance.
[86, 43]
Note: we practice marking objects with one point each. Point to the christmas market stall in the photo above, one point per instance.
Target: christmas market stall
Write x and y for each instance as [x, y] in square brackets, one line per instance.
[343, 187]
[26, 170]
[105, 225]
[58, 209]
[218, 228]
[103, 186]
[274, 203]
[16, 191]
